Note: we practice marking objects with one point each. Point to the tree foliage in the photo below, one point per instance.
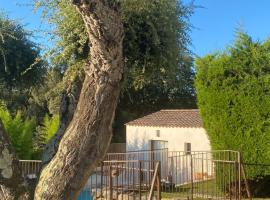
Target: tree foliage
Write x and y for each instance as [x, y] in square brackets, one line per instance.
[155, 45]
[44, 133]
[155, 42]
[20, 63]
[21, 67]
[233, 89]
[45, 98]
[158, 64]
[68, 33]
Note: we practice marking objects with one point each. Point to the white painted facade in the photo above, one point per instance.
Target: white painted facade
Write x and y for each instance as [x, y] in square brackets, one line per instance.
[138, 138]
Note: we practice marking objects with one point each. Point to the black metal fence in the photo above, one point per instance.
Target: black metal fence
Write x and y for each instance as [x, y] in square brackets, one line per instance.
[124, 180]
[188, 175]
[180, 175]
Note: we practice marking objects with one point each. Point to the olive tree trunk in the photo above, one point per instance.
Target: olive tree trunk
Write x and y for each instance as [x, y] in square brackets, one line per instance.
[89, 133]
[68, 105]
[86, 137]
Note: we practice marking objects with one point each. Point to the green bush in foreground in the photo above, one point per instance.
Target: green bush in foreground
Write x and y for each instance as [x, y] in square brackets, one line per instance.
[27, 137]
[20, 132]
[233, 91]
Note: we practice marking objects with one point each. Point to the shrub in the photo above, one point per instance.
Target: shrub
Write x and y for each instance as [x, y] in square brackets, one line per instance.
[44, 133]
[233, 91]
[20, 131]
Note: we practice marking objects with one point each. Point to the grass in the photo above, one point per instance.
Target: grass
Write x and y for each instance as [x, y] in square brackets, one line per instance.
[205, 188]
[201, 190]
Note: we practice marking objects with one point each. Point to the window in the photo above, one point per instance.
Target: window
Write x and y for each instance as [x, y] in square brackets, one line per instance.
[187, 147]
[157, 133]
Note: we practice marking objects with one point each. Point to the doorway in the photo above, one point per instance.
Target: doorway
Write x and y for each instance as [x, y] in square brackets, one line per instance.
[159, 152]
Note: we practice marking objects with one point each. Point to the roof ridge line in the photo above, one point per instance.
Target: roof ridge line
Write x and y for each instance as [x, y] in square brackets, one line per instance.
[170, 118]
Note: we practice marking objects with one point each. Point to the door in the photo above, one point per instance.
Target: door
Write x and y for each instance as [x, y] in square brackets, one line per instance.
[159, 145]
[159, 152]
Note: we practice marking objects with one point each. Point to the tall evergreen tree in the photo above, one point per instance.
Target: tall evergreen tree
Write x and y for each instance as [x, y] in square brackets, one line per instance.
[233, 89]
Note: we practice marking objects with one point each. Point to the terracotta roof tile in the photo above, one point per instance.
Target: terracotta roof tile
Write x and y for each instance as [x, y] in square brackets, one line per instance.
[170, 118]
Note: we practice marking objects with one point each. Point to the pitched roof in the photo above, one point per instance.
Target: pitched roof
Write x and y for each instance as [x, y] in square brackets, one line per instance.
[170, 118]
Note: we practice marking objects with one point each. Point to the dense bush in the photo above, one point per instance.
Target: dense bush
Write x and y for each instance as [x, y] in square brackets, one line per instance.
[233, 90]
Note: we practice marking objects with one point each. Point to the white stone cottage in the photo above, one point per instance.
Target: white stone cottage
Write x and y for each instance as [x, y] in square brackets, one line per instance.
[167, 129]
[170, 130]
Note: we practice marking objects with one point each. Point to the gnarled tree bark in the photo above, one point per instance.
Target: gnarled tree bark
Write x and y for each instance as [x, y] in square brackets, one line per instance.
[88, 135]
[12, 186]
[68, 105]
[86, 138]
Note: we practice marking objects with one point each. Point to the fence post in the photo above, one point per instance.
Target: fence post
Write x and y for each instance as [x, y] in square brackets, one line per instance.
[239, 174]
[101, 192]
[110, 183]
[246, 182]
[159, 183]
[191, 174]
[140, 179]
[166, 162]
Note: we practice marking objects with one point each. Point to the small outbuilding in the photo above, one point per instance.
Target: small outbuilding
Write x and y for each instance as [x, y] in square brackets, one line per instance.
[169, 129]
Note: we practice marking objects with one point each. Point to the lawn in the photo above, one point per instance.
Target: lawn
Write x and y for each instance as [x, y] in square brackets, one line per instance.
[201, 190]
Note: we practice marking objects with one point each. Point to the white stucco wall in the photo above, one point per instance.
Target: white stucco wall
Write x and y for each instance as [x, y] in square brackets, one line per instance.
[137, 138]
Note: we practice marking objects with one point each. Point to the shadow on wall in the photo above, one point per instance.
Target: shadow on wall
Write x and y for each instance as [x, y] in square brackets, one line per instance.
[138, 143]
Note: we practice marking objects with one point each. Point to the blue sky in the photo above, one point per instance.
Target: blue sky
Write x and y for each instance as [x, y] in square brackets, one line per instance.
[22, 11]
[215, 24]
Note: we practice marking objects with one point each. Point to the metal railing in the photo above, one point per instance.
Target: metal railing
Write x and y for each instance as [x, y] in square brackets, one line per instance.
[126, 179]
[123, 180]
[156, 182]
[160, 155]
[30, 168]
[188, 175]
[204, 175]
[198, 174]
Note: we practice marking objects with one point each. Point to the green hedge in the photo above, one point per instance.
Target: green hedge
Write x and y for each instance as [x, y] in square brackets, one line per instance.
[233, 91]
